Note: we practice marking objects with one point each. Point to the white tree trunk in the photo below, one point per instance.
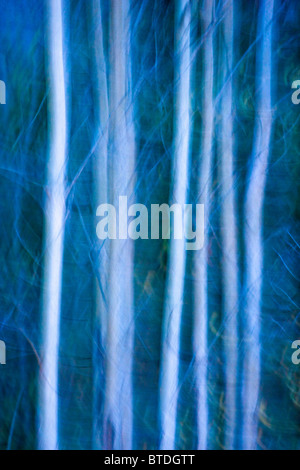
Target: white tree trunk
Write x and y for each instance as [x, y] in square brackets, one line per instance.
[120, 327]
[101, 111]
[229, 231]
[176, 263]
[201, 257]
[253, 226]
[55, 214]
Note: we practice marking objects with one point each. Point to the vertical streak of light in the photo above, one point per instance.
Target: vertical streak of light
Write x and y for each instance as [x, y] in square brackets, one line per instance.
[101, 195]
[229, 233]
[55, 213]
[253, 227]
[176, 265]
[120, 328]
[201, 257]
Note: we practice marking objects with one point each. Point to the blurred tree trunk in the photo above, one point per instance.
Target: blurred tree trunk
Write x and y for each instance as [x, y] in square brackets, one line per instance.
[169, 384]
[101, 251]
[120, 321]
[201, 257]
[253, 235]
[229, 228]
[55, 214]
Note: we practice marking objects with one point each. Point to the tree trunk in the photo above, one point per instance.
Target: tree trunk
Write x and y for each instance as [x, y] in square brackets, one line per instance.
[176, 265]
[101, 251]
[229, 230]
[201, 257]
[120, 327]
[55, 214]
[253, 226]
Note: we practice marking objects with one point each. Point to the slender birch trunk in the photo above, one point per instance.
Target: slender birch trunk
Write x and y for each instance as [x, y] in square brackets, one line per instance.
[229, 231]
[201, 257]
[55, 213]
[176, 265]
[120, 328]
[253, 226]
[101, 196]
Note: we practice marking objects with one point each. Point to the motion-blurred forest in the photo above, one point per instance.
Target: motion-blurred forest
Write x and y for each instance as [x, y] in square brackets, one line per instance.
[144, 345]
